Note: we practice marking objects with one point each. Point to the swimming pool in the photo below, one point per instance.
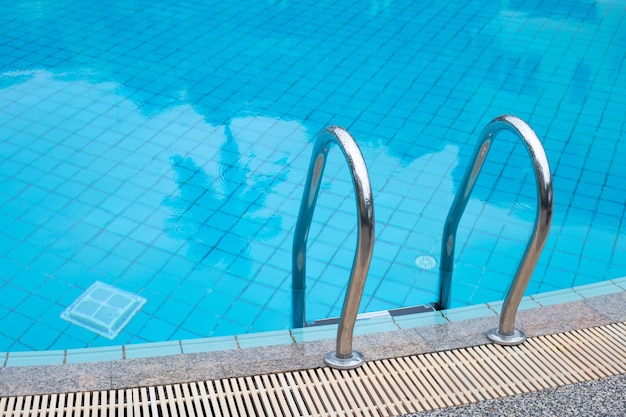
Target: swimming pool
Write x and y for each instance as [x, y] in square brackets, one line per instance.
[153, 156]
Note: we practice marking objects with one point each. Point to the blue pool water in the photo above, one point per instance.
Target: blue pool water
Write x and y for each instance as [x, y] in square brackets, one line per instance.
[153, 156]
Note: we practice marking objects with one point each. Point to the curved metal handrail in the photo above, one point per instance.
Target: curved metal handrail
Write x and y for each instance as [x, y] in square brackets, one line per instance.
[506, 334]
[343, 357]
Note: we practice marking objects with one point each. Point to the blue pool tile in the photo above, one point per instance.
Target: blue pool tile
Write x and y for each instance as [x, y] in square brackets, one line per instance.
[28, 280]
[13, 296]
[70, 189]
[5, 340]
[204, 322]
[181, 334]
[127, 190]
[505, 261]
[10, 270]
[154, 257]
[157, 329]
[116, 265]
[170, 245]
[189, 293]
[49, 262]
[271, 319]
[231, 285]
[475, 256]
[572, 245]
[227, 327]
[280, 299]
[20, 230]
[484, 294]
[67, 341]
[8, 243]
[37, 215]
[583, 278]
[34, 307]
[275, 277]
[90, 255]
[377, 304]
[137, 323]
[336, 273]
[113, 205]
[145, 233]
[216, 302]
[107, 185]
[92, 196]
[462, 293]
[122, 226]
[174, 311]
[598, 250]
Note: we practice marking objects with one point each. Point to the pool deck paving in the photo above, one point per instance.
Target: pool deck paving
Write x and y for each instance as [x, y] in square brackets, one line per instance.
[600, 398]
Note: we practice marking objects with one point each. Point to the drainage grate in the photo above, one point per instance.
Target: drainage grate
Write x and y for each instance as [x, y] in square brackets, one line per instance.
[103, 309]
[379, 388]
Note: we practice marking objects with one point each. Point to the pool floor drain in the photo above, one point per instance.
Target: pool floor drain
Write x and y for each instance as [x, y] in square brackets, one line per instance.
[103, 309]
[425, 262]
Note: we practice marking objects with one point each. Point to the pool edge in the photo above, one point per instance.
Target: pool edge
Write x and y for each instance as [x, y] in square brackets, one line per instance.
[377, 337]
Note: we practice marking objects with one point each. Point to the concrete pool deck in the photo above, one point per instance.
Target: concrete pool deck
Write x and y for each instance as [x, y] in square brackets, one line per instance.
[603, 397]
[589, 306]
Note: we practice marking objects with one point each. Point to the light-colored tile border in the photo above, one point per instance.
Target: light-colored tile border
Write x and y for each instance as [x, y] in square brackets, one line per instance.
[50, 357]
[279, 337]
[209, 344]
[423, 333]
[150, 350]
[112, 353]
[370, 323]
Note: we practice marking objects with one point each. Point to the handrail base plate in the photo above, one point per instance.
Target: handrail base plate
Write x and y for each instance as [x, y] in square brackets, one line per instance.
[518, 337]
[357, 359]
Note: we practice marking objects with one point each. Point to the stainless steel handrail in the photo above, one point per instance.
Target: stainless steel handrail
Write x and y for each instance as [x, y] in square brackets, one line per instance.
[506, 334]
[343, 357]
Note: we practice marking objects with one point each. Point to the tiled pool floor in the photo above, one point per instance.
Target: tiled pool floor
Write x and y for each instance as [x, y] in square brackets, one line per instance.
[159, 140]
[376, 337]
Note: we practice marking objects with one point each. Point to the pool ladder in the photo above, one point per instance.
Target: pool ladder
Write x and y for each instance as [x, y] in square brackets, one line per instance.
[505, 334]
[343, 357]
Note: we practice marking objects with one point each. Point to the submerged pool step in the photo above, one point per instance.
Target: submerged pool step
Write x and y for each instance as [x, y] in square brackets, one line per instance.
[379, 388]
[383, 313]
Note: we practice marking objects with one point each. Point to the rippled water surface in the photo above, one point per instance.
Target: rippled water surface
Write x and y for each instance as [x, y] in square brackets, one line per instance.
[160, 149]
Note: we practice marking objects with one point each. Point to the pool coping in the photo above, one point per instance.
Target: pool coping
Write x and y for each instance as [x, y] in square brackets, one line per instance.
[377, 335]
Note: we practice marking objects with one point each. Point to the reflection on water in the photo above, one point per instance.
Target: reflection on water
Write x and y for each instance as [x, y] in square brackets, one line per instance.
[217, 215]
[583, 10]
[163, 55]
[166, 87]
